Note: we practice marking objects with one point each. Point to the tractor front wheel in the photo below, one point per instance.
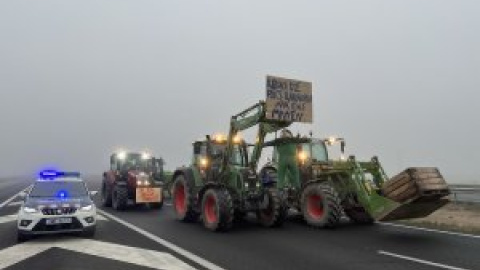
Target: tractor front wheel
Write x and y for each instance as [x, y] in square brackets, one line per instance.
[183, 200]
[217, 209]
[275, 212]
[321, 205]
[119, 197]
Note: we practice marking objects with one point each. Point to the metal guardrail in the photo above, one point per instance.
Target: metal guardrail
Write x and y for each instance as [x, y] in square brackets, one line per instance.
[465, 194]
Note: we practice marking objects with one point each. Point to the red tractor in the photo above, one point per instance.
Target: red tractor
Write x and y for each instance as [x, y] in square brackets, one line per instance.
[132, 180]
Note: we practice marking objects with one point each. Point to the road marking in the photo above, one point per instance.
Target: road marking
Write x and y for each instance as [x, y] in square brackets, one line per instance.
[168, 204]
[444, 266]
[15, 203]
[93, 193]
[13, 197]
[9, 218]
[429, 230]
[164, 243]
[139, 256]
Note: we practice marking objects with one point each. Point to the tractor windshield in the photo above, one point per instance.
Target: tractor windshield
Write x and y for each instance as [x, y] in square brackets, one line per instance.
[136, 162]
[316, 151]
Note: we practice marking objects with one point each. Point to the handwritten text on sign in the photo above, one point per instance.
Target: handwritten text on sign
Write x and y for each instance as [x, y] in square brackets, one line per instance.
[289, 100]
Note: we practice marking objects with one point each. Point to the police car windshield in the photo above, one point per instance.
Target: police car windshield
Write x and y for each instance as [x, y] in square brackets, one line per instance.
[61, 189]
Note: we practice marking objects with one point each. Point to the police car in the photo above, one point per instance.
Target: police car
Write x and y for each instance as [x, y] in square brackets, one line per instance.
[58, 202]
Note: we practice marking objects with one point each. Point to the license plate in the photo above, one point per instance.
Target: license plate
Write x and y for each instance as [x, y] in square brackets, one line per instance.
[148, 195]
[55, 221]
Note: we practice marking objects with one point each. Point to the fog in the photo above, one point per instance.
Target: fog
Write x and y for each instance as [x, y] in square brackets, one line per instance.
[79, 79]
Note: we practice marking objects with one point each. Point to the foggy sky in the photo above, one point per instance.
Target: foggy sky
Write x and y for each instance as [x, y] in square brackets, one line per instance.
[78, 79]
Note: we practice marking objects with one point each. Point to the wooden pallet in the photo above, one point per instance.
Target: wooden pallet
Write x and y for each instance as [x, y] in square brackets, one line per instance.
[424, 184]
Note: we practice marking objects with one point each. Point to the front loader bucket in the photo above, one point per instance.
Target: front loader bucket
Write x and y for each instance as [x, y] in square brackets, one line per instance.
[417, 192]
[414, 209]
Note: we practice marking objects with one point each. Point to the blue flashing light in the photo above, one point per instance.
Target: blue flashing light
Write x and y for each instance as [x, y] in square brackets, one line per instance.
[52, 174]
[62, 194]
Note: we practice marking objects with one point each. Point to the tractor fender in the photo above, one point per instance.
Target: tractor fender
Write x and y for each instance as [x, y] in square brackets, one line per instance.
[186, 172]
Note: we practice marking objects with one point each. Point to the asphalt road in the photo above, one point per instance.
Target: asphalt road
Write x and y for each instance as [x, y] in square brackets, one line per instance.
[141, 238]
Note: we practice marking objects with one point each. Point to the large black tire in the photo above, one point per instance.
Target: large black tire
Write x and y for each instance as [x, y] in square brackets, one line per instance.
[275, 213]
[321, 206]
[359, 216]
[184, 200]
[119, 197]
[217, 209]
[106, 194]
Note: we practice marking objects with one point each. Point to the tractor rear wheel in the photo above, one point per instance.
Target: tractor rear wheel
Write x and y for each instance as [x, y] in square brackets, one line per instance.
[217, 209]
[359, 216]
[106, 195]
[119, 197]
[321, 205]
[275, 213]
[183, 200]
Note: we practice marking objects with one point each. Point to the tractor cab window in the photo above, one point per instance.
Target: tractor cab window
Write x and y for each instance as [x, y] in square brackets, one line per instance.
[238, 156]
[136, 162]
[315, 151]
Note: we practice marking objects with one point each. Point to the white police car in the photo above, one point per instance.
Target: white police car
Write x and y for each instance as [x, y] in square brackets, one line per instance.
[58, 202]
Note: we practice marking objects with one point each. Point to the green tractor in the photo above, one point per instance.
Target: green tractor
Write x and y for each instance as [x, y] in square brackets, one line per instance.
[221, 184]
[321, 189]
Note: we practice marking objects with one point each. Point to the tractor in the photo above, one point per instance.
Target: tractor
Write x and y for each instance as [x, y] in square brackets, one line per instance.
[133, 178]
[325, 188]
[221, 184]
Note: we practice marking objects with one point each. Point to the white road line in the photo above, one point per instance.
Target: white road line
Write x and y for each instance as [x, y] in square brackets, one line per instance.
[164, 243]
[429, 230]
[9, 218]
[13, 197]
[138, 256]
[168, 204]
[15, 203]
[444, 266]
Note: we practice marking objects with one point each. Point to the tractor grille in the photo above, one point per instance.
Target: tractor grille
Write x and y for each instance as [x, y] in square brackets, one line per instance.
[59, 211]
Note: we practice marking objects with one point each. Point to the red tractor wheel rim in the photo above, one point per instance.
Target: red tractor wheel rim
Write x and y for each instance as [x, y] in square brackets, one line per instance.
[180, 204]
[210, 211]
[315, 206]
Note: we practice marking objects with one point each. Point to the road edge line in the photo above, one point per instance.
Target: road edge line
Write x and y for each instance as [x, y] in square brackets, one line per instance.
[425, 262]
[9, 200]
[187, 254]
[429, 230]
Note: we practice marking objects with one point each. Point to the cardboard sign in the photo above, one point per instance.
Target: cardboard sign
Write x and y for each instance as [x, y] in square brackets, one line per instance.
[289, 100]
[148, 195]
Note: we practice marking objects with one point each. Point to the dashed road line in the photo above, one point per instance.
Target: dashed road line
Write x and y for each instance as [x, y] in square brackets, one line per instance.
[429, 230]
[185, 253]
[412, 259]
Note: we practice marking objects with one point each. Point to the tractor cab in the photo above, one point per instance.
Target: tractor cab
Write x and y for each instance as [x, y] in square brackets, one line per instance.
[208, 154]
[125, 162]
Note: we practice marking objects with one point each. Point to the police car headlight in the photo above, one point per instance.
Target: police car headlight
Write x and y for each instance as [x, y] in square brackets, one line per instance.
[87, 208]
[29, 210]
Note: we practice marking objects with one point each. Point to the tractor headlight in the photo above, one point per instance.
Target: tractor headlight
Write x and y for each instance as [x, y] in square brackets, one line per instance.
[146, 183]
[87, 208]
[122, 155]
[302, 156]
[203, 162]
[29, 210]
[139, 182]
